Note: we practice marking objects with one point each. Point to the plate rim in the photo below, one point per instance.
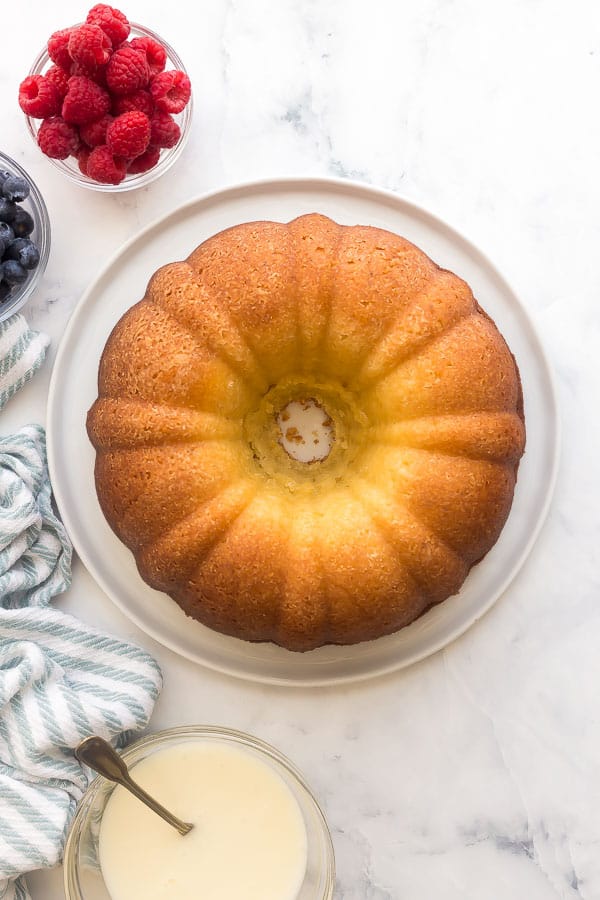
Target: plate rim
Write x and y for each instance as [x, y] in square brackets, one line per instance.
[343, 185]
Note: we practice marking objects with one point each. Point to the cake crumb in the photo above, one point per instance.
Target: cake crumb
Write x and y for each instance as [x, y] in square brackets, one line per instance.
[293, 436]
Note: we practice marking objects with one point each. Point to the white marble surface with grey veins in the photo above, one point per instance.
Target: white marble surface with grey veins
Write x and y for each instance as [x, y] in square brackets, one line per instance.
[474, 775]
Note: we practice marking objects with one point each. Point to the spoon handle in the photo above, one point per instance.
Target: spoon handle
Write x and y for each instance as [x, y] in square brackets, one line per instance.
[140, 793]
[100, 756]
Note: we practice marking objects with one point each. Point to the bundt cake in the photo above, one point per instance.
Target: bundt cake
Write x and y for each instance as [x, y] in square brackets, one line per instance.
[417, 422]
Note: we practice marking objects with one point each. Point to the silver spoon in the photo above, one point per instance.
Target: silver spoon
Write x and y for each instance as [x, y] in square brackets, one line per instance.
[98, 754]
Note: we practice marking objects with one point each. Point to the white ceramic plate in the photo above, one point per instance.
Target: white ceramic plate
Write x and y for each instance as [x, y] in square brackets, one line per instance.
[73, 389]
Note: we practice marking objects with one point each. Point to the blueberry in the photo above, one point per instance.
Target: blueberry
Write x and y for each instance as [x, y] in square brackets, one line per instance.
[3, 176]
[3, 246]
[13, 272]
[22, 224]
[7, 234]
[15, 188]
[5, 290]
[8, 210]
[24, 251]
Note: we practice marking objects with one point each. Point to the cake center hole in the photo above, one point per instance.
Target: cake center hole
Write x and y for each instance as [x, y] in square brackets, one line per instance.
[307, 432]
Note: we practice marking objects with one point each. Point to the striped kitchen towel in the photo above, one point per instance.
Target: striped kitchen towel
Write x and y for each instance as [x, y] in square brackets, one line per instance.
[60, 680]
[22, 352]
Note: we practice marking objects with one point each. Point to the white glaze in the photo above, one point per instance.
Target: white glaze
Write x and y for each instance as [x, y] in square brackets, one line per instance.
[472, 776]
[248, 838]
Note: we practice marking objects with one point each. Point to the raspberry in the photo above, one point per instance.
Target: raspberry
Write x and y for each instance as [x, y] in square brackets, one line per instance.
[111, 21]
[83, 155]
[94, 133]
[104, 167]
[164, 131]
[144, 162]
[58, 48]
[58, 77]
[85, 101]
[57, 138]
[140, 100]
[98, 74]
[89, 47]
[171, 90]
[129, 134]
[127, 71]
[39, 97]
[155, 53]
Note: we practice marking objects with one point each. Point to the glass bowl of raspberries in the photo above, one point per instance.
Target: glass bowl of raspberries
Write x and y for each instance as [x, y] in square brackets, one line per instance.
[108, 102]
[24, 237]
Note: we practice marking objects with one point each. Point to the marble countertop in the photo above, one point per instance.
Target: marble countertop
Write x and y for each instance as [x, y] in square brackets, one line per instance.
[474, 775]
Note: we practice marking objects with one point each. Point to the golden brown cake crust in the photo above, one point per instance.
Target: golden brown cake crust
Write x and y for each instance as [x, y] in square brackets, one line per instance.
[427, 407]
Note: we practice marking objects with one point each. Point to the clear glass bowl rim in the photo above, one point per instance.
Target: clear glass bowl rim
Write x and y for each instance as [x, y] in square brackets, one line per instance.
[42, 228]
[170, 735]
[168, 156]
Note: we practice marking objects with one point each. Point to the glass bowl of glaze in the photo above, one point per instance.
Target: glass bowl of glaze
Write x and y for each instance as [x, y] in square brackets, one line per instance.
[202, 771]
[70, 167]
[35, 206]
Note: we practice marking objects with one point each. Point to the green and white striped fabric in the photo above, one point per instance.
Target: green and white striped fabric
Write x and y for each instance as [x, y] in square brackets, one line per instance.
[22, 352]
[60, 680]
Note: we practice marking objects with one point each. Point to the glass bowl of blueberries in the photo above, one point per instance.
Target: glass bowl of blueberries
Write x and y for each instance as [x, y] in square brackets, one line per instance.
[24, 236]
